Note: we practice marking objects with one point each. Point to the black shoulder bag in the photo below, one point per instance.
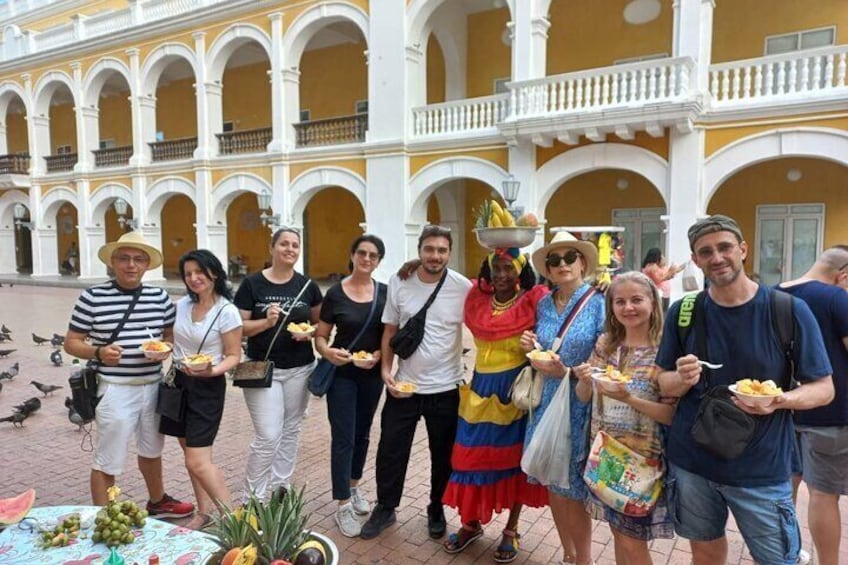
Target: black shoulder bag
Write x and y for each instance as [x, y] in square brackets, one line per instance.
[406, 341]
[321, 378]
[83, 383]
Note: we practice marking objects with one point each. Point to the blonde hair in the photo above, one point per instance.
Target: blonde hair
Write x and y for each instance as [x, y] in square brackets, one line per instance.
[614, 330]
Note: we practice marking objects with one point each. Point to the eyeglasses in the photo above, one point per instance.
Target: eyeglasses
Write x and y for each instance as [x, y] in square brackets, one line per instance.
[554, 260]
[369, 254]
[137, 259]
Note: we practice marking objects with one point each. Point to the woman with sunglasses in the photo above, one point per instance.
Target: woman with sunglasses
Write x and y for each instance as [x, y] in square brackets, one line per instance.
[353, 397]
[566, 262]
[264, 299]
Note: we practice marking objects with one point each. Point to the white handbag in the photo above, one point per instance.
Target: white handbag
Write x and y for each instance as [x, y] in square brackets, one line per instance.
[526, 389]
[690, 278]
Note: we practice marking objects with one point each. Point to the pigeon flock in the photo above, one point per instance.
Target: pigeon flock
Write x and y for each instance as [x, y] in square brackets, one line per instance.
[26, 409]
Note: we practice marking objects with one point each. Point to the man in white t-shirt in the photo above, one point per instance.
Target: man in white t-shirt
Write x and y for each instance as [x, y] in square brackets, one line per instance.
[435, 368]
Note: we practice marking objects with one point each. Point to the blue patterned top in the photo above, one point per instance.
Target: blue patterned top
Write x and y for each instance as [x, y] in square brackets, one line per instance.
[576, 348]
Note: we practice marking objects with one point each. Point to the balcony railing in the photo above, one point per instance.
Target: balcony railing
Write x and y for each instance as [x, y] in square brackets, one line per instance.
[790, 75]
[63, 162]
[332, 131]
[173, 149]
[460, 116]
[660, 80]
[113, 156]
[12, 8]
[245, 141]
[15, 164]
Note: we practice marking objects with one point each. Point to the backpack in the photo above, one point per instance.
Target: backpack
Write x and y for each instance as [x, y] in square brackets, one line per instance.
[783, 324]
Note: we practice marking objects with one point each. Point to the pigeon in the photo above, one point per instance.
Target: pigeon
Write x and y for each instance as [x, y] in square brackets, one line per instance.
[39, 340]
[29, 406]
[5, 337]
[73, 415]
[6, 375]
[13, 370]
[16, 418]
[46, 389]
[6, 352]
[56, 358]
[5, 330]
[1, 387]
[57, 340]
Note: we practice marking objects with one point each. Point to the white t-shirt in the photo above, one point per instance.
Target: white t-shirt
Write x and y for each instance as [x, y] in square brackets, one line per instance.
[436, 366]
[188, 335]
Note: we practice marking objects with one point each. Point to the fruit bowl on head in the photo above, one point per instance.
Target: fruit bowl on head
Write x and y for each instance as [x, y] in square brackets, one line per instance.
[515, 236]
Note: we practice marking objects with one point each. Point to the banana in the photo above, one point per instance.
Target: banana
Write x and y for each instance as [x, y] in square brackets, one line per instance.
[508, 220]
[495, 221]
[497, 209]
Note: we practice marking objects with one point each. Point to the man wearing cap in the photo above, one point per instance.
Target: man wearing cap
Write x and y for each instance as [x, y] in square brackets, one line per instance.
[755, 485]
[128, 380]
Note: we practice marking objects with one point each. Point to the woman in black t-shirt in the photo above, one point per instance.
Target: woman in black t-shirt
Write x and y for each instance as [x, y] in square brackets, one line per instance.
[352, 398]
[263, 299]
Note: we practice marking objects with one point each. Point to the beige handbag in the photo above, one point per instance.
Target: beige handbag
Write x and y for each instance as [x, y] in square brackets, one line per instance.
[526, 389]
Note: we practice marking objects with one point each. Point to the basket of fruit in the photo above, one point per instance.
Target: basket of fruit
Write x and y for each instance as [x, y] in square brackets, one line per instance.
[497, 228]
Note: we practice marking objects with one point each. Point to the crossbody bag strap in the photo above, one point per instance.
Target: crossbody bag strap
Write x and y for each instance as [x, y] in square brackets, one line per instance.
[285, 318]
[433, 295]
[93, 363]
[700, 327]
[209, 329]
[581, 302]
[368, 319]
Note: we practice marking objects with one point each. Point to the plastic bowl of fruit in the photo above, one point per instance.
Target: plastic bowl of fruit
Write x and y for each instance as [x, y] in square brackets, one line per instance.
[302, 329]
[156, 350]
[752, 392]
[541, 360]
[198, 362]
[363, 359]
[611, 380]
[515, 236]
[405, 389]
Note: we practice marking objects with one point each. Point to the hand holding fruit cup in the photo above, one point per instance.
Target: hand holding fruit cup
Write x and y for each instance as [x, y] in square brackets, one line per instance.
[301, 331]
[366, 360]
[156, 350]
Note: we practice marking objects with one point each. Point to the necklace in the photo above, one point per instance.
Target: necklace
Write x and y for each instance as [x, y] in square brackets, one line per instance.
[564, 302]
[501, 307]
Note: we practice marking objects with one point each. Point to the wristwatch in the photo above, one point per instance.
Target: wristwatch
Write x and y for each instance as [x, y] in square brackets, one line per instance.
[97, 352]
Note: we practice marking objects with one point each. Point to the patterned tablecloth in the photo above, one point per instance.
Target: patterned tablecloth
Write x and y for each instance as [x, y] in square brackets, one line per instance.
[20, 545]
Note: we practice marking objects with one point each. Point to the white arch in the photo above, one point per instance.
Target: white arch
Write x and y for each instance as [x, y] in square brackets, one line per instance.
[229, 41]
[97, 76]
[307, 184]
[8, 90]
[51, 203]
[306, 24]
[162, 190]
[419, 12]
[431, 177]
[819, 143]
[7, 207]
[103, 198]
[159, 59]
[230, 188]
[597, 156]
[47, 86]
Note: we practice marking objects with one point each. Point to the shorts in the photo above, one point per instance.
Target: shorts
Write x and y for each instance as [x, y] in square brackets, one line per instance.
[125, 410]
[765, 514]
[825, 454]
[204, 408]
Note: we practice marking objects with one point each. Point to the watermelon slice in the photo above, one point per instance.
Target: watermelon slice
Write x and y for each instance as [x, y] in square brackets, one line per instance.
[13, 510]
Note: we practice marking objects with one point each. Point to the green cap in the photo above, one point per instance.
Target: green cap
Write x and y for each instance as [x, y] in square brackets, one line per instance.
[712, 224]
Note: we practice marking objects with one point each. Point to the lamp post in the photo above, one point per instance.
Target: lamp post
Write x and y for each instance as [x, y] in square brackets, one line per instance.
[265, 213]
[121, 208]
[510, 194]
[20, 212]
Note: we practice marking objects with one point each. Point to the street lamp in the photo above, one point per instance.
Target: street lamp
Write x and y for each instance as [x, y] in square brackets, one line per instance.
[121, 208]
[264, 199]
[510, 194]
[20, 212]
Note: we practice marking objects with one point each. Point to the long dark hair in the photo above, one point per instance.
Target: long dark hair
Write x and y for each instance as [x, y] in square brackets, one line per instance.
[526, 278]
[213, 269]
[370, 238]
[654, 255]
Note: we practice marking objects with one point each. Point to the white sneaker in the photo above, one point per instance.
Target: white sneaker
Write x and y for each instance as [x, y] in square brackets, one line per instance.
[360, 505]
[804, 557]
[347, 521]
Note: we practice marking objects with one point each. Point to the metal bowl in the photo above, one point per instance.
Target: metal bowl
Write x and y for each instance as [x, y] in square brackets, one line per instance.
[518, 236]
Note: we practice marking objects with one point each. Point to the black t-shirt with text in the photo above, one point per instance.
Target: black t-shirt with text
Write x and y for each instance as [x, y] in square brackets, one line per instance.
[255, 294]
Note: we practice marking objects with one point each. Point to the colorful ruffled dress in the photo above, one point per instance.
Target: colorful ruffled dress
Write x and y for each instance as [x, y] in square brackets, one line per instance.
[486, 460]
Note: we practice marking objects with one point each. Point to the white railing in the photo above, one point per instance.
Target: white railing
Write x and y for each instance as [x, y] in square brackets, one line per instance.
[658, 80]
[107, 22]
[54, 37]
[12, 8]
[811, 71]
[469, 115]
[158, 9]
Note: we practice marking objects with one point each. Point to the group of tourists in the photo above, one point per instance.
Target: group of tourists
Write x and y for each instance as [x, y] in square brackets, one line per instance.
[662, 448]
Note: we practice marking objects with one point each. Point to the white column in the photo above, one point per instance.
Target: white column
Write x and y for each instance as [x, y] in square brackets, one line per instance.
[85, 120]
[693, 37]
[4, 146]
[282, 204]
[291, 107]
[35, 166]
[203, 183]
[141, 151]
[153, 235]
[205, 147]
[529, 40]
[388, 94]
[686, 172]
[84, 219]
[522, 166]
[45, 250]
[41, 134]
[386, 210]
[7, 242]
[216, 242]
[275, 75]
[92, 238]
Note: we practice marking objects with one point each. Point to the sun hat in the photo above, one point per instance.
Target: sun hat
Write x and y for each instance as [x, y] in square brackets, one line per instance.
[712, 224]
[133, 240]
[564, 239]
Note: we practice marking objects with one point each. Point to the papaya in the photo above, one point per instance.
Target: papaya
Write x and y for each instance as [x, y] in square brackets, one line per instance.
[231, 556]
[13, 510]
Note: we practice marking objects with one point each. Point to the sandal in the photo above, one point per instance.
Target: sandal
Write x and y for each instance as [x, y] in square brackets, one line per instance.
[508, 552]
[205, 522]
[463, 538]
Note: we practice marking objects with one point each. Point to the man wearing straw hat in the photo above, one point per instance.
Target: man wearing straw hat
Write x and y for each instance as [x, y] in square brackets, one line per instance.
[109, 323]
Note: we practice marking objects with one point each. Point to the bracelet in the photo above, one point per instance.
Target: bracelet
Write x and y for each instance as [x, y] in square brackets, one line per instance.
[97, 353]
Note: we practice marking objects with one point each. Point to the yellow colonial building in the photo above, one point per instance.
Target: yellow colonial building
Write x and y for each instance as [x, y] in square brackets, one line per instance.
[201, 122]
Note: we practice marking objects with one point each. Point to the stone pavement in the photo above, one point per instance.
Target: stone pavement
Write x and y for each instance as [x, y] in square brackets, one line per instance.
[49, 455]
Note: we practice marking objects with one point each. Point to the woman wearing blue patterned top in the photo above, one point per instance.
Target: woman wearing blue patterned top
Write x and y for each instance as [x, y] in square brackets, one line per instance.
[566, 262]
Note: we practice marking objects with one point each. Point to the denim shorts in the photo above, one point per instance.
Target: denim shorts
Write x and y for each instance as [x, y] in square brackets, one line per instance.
[765, 514]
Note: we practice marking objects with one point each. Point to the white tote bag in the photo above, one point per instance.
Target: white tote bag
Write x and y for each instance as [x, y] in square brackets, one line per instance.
[548, 455]
[690, 278]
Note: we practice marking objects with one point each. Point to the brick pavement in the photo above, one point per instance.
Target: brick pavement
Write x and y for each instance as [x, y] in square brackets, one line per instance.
[46, 455]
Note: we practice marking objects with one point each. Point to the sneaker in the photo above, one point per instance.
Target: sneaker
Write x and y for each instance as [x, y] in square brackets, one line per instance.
[804, 557]
[360, 505]
[169, 507]
[280, 493]
[381, 518]
[436, 523]
[349, 526]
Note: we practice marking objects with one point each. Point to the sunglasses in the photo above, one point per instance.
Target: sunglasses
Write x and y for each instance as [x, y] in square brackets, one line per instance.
[555, 260]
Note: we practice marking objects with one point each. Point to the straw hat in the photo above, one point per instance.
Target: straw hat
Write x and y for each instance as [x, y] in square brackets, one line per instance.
[564, 240]
[133, 240]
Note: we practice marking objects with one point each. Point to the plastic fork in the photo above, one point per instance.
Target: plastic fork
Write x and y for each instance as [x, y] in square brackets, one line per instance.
[709, 365]
[537, 345]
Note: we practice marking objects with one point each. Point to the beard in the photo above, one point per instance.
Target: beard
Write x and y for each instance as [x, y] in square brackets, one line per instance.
[434, 268]
[726, 279]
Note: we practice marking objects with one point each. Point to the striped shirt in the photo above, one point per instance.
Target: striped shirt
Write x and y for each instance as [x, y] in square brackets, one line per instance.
[99, 310]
